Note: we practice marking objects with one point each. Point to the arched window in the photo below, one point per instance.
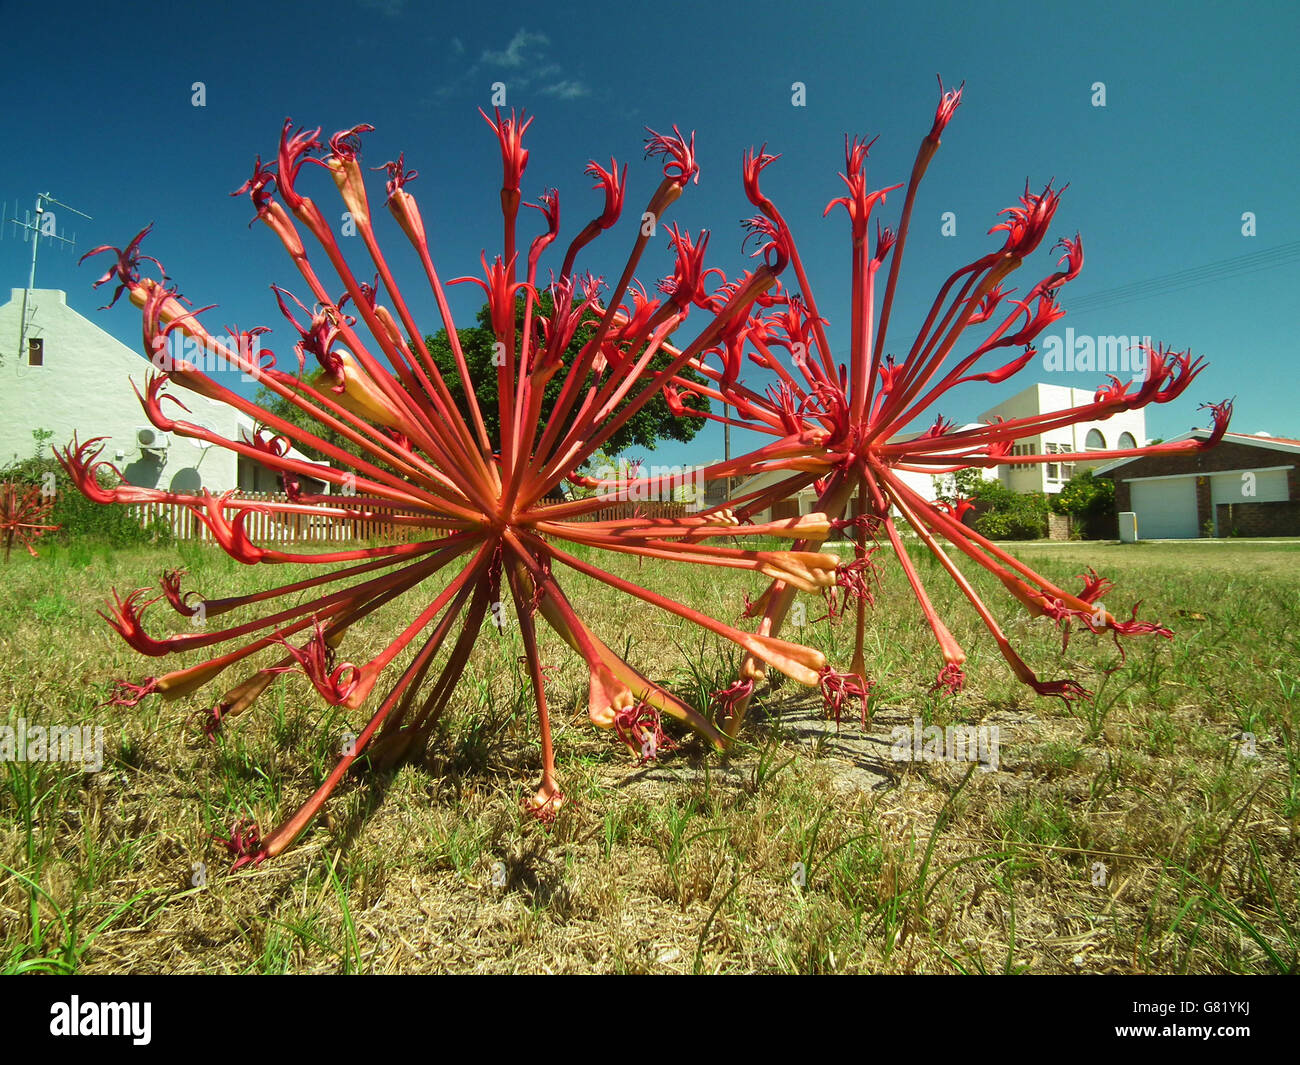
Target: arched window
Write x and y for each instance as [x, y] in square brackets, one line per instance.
[1095, 442]
[1126, 440]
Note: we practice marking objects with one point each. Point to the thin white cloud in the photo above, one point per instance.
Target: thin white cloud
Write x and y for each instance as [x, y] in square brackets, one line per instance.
[523, 64]
[516, 52]
[391, 8]
[566, 90]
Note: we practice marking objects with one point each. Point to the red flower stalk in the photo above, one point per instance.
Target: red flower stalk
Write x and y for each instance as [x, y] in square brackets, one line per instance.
[839, 428]
[24, 514]
[482, 509]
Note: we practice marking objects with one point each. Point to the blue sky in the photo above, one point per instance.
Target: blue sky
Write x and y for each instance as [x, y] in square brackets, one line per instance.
[1198, 128]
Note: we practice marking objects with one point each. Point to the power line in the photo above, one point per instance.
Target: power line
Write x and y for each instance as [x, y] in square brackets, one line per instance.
[1222, 270]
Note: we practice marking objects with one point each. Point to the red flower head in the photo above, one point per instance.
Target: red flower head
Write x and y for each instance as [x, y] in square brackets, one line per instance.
[398, 175]
[78, 462]
[244, 844]
[514, 156]
[550, 209]
[345, 145]
[477, 494]
[775, 250]
[259, 188]
[751, 169]
[1028, 223]
[127, 268]
[948, 103]
[500, 293]
[686, 286]
[680, 153]
[838, 688]
[614, 185]
[885, 239]
[295, 150]
[859, 202]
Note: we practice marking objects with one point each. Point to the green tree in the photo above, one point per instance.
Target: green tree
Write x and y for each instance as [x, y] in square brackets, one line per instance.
[1008, 515]
[1088, 500]
[964, 484]
[652, 423]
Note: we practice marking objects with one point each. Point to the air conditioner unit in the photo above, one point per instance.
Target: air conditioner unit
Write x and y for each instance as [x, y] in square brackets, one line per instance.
[150, 439]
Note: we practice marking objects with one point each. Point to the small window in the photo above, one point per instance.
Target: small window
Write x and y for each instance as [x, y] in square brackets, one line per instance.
[1053, 468]
[1095, 441]
[36, 351]
[1126, 441]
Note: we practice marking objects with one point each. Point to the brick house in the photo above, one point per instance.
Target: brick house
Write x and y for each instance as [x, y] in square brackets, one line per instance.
[1245, 486]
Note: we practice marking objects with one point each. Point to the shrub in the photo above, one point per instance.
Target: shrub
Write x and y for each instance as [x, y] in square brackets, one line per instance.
[1008, 515]
[1089, 500]
[78, 516]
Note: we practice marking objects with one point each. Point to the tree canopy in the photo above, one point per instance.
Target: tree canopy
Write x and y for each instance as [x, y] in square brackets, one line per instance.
[651, 423]
[654, 422]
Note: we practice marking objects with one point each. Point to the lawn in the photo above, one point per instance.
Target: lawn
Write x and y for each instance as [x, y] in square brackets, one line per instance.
[1152, 828]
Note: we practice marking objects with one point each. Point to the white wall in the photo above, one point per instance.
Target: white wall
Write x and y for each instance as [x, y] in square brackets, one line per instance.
[1042, 398]
[84, 386]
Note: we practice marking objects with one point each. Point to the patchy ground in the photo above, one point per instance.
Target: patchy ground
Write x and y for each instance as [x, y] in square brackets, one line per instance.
[1150, 829]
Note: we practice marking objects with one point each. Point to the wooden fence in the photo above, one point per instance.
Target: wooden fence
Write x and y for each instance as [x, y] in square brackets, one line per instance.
[649, 509]
[271, 527]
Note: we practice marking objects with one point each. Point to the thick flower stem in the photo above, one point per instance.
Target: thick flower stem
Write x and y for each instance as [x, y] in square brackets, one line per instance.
[548, 798]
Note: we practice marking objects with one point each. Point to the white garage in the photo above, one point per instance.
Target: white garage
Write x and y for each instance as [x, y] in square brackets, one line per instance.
[1253, 479]
[1247, 486]
[1165, 508]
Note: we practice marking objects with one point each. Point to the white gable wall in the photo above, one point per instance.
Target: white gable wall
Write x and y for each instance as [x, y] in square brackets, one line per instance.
[84, 386]
[1041, 398]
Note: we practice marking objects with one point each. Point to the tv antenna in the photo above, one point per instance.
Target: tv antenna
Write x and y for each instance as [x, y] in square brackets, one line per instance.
[44, 224]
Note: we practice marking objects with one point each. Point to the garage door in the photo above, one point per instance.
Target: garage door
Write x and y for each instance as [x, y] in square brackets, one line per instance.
[1269, 486]
[1166, 509]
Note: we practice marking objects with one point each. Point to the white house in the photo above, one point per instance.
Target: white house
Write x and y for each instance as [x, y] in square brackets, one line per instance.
[1123, 430]
[805, 501]
[73, 377]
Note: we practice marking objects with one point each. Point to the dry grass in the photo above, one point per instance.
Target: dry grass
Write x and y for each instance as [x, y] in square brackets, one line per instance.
[687, 866]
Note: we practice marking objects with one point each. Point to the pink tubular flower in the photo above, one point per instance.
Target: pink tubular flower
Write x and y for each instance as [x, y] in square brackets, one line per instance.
[295, 150]
[680, 153]
[244, 844]
[127, 269]
[948, 104]
[859, 202]
[837, 688]
[483, 510]
[398, 175]
[848, 431]
[1027, 224]
[514, 156]
[24, 516]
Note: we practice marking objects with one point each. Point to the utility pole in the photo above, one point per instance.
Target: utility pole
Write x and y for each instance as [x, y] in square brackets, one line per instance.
[726, 446]
[41, 226]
